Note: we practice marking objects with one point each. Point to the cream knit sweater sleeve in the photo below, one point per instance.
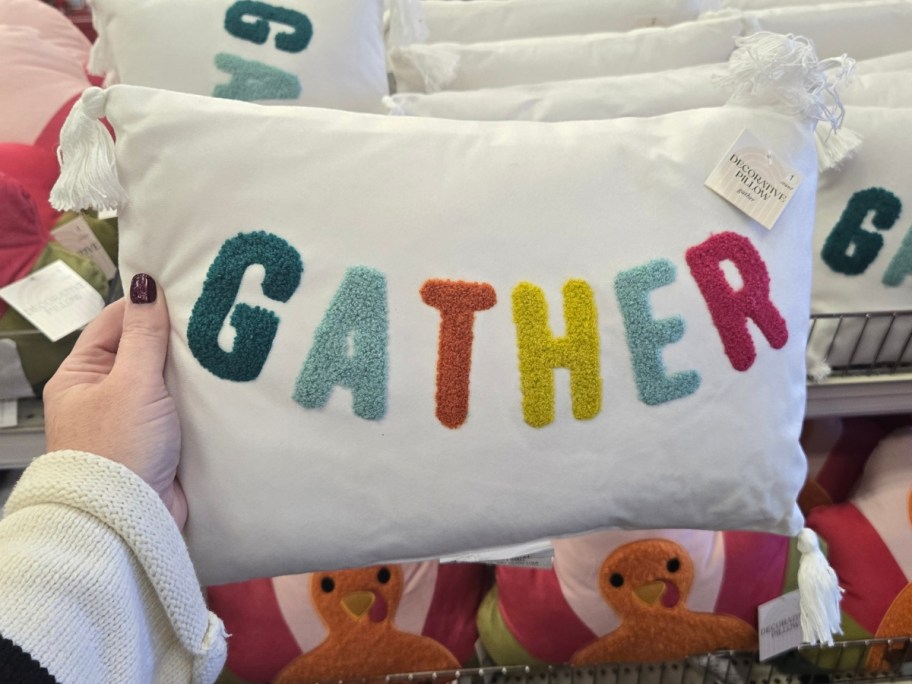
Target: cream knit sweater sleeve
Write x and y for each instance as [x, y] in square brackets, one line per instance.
[95, 580]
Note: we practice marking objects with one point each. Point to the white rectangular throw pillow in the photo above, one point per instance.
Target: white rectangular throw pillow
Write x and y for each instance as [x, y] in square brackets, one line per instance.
[863, 245]
[488, 20]
[396, 338]
[322, 53]
[860, 29]
[453, 66]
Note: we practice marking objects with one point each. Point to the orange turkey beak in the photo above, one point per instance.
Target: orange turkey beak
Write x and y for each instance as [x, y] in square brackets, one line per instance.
[358, 603]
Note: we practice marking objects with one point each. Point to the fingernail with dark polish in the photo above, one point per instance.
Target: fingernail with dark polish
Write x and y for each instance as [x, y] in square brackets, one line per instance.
[143, 289]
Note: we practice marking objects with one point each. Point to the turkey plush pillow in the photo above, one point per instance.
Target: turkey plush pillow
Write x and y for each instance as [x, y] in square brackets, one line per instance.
[870, 543]
[487, 20]
[367, 318]
[323, 53]
[38, 79]
[863, 247]
[452, 66]
[624, 596]
[349, 624]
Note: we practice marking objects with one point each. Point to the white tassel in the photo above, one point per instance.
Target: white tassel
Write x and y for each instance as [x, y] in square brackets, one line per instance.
[783, 71]
[820, 592]
[393, 107]
[406, 23]
[436, 67]
[88, 170]
[819, 370]
[835, 147]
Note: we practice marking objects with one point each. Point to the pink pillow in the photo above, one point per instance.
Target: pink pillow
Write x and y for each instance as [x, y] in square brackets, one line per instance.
[638, 596]
[418, 612]
[38, 80]
[870, 543]
[55, 29]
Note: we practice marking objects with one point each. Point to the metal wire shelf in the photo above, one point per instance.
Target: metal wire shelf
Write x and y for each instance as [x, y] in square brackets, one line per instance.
[844, 663]
[868, 344]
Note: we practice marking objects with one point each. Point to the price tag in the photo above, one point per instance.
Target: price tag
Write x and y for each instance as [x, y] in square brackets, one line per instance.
[77, 236]
[780, 625]
[752, 178]
[55, 299]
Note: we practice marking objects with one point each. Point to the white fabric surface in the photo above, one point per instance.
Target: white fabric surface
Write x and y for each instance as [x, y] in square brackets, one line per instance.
[538, 60]
[174, 44]
[487, 20]
[97, 583]
[276, 488]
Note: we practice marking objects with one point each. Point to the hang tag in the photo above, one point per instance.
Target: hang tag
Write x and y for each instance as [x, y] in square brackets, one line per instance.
[9, 413]
[77, 236]
[753, 179]
[55, 299]
[13, 382]
[780, 625]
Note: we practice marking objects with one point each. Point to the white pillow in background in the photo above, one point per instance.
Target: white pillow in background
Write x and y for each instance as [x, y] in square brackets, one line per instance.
[897, 61]
[386, 213]
[859, 29]
[488, 20]
[863, 242]
[323, 53]
[453, 66]
[749, 5]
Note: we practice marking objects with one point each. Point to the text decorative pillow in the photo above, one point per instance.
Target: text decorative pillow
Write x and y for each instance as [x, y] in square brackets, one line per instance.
[37, 80]
[863, 246]
[324, 53]
[452, 66]
[870, 543]
[372, 313]
[625, 596]
[487, 20]
[351, 623]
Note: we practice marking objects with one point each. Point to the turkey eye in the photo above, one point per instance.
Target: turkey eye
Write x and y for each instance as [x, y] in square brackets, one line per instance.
[616, 580]
[383, 575]
[674, 565]
[327, 585]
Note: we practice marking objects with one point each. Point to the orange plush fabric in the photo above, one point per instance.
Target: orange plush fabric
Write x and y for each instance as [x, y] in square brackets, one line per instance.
[647, 584]
[358, 607]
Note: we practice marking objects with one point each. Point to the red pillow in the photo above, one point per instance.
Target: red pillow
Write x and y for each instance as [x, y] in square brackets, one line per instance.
[359, 623]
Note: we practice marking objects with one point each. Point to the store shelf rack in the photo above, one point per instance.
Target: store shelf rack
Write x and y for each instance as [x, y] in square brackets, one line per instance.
[843, 663]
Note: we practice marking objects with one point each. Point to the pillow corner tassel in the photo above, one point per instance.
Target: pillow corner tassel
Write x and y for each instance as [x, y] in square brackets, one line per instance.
[819, 592]
[783, 71]
[88, 171]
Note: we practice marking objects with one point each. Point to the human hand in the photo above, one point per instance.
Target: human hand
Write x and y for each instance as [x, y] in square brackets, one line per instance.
[109, 397]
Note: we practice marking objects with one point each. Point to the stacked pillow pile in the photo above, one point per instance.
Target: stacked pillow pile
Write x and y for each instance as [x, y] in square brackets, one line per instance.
[404, 403]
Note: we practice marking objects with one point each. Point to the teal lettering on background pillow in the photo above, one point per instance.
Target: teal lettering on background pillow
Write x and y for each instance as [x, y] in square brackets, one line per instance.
[358, 314]
[257, 31]
[646, 336]
[252, 80]
[901, 263]
[849, 248]
[255, 326]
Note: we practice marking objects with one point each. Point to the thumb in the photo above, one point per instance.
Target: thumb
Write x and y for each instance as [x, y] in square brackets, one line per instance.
[144, 342]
